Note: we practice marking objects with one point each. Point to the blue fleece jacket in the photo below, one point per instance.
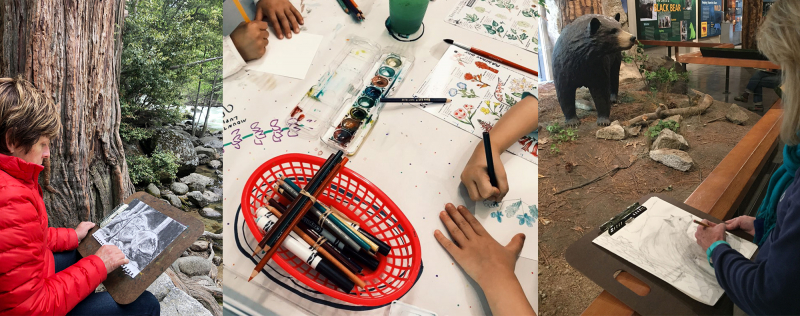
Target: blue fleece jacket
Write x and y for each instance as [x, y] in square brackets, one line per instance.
[771, 284]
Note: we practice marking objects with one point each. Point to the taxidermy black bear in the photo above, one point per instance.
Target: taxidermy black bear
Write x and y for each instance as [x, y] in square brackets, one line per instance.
[588, 54]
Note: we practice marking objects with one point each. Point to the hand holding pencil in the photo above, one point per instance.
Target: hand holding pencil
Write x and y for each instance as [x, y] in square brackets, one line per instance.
[282, 15]
[477, 179]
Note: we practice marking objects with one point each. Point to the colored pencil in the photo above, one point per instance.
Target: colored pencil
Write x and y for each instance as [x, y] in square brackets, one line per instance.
[701, 223]
[316, 214]
[416, 100]
[241, 11]
[346, 10]
[335, 220]
[494, 57]
[297, 210]
[487, 148]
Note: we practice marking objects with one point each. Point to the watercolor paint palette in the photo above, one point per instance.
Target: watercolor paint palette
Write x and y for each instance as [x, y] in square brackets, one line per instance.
[351, 125]
[343, 106]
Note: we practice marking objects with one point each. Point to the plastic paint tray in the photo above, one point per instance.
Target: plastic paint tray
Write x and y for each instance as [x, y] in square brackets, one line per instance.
[364, 203]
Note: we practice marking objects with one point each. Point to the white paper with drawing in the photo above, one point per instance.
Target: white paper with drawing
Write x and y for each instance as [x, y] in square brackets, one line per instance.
[661, 241]
[288, 57]
[509, 21]
[482, 91]
[141, 232]
[509, 218]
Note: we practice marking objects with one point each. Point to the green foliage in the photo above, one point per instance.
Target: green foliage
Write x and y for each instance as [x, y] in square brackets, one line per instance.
[661, 125]
[159, 38]
[560, 135]
[625, 98]
[144, 170]
[131, 133]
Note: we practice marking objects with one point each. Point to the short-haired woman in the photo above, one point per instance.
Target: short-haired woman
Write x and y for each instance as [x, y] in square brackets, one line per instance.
[41, 273]
[771, 284]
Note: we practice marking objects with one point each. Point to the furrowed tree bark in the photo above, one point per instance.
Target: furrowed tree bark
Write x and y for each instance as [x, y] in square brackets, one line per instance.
[70, 51]
[752, 11]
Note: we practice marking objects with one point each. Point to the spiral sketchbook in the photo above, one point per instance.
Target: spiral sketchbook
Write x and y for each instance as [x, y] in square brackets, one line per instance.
[151, 233]
[140, 232]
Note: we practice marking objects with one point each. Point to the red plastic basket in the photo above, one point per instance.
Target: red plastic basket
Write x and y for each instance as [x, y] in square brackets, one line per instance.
[364, 203]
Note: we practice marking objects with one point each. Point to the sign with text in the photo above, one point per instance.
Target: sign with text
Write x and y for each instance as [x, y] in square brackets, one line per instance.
[710, 18]
[666, 20]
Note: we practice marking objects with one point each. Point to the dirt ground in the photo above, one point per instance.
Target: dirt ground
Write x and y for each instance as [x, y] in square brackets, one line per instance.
[565, 217]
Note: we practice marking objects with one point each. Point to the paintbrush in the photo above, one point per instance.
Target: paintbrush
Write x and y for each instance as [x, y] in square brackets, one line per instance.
[494, 57]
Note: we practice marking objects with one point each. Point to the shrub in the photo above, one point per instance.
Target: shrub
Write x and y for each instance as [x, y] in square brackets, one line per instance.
[139, 170]
[164, 164]
[661, 125]
[143, 170]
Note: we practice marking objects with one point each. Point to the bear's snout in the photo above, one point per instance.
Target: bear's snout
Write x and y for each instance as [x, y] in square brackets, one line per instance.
[626, 40]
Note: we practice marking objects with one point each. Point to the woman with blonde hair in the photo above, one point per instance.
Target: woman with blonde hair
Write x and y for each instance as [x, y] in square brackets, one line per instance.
[769, 286]
[41, 273]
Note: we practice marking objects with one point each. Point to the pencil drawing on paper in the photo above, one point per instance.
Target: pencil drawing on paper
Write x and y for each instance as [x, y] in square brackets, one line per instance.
[141, 233]
[661, 241]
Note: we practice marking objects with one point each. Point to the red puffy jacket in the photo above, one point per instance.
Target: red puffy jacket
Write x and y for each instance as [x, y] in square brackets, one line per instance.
[28, 282]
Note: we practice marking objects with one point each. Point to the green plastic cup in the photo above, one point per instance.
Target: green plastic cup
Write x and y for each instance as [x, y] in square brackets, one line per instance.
[405, 16]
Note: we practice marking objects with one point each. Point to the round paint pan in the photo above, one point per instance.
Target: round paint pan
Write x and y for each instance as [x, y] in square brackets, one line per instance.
[387, 72]
[350, 124]
[358, 113]
[342, 136]
[380, 81]
[393, 62]
[372, 92]
[365, 102]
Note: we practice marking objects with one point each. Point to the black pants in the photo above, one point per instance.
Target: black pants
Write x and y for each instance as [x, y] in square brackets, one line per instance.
[101, 303]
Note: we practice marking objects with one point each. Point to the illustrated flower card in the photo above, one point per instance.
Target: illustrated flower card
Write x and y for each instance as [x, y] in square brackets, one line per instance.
[510, 21]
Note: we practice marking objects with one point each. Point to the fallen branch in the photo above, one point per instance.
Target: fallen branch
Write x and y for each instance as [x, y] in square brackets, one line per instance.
[663, 112]
[611, 172]
[716, 119]
[211, 235]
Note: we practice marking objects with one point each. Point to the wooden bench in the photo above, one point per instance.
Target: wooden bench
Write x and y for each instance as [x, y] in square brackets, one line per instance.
[720, 194]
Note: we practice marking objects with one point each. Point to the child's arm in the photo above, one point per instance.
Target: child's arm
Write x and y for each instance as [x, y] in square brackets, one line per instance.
[281, 14]
[485, 260]
[247, 42]
[519, 120]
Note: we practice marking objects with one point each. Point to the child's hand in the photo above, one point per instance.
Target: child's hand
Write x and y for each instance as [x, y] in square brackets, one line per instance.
[744, 223]
[476, 177]
[482, 257]
[281, 15]
[250, 39]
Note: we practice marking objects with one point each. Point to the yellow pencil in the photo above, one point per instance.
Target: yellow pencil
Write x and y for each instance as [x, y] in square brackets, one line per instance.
[241, 10]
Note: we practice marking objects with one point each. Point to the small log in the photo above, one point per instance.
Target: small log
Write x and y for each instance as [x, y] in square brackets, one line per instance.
[663, 112]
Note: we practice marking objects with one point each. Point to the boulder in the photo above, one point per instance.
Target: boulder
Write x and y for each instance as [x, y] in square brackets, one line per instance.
[203, 159]
[179, 188]
[217, 260]
[210, 213]
[161, 286]
[173, 199]
[669, 140]
[179, 303]
[196, 198]
[204, 280]
[736, 115]
[633, 130]
[211, 197]
[583, 99]
[212, 142]
[672, 158]
[196, 178]
[214, 164]
[210, 152]
[197, 187]
[613, 131]
[153, 190]
[193, 266]
[199, 246]
[178, 143]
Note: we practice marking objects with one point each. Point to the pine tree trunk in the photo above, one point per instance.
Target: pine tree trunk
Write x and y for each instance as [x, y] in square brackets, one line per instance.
[752, 11]
[209, 102]
[573, 9]
[70, 50]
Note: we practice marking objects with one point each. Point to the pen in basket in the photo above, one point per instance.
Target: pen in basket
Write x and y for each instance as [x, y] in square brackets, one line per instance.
[299, 207]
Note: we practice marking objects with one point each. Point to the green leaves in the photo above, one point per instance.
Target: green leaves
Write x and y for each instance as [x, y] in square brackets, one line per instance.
[490, 29]
[494, 28]
[472, 18]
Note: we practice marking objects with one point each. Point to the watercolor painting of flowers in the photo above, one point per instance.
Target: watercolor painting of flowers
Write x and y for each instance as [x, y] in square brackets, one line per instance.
[464, 114]
[520, 85]
[476, 78]
[462, 88]
[492, 108]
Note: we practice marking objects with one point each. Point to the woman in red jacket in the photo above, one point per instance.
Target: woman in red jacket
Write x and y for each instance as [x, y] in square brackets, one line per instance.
[40, 270]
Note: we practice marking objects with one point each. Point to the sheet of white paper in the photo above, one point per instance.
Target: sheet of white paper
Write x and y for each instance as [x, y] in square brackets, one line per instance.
[288, 57]
[661, 241]
[509, 218]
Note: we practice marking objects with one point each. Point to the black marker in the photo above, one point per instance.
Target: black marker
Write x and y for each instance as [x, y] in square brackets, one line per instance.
[487, 146]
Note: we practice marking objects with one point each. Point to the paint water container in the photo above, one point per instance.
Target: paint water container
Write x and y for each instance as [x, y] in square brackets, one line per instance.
[405, 16]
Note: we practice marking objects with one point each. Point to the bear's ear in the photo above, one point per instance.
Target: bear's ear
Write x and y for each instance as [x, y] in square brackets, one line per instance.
[617, 17]
[594, 25]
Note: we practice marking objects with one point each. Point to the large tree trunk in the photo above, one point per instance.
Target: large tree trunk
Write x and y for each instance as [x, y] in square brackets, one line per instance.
[573, 9]
[752, 11]
[70, 50]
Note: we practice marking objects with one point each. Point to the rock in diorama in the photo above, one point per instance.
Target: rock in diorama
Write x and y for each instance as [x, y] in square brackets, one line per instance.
[588, 54]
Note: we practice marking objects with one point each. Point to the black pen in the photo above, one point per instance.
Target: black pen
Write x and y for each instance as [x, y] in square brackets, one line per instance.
[487, 146]
[415, 100]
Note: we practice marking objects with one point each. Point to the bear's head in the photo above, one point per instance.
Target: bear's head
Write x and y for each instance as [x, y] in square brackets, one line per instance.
[607, 34]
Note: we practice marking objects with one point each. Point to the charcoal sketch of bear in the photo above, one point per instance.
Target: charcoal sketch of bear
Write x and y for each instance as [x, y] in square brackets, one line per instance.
[588, 54]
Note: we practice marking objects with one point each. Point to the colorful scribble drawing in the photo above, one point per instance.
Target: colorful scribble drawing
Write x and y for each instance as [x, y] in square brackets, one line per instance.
[661, 241]
[277, 132]
[258, 133]
[236, 139]
[498, 215]
[512, 209]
